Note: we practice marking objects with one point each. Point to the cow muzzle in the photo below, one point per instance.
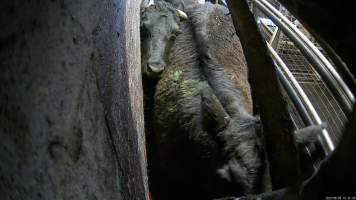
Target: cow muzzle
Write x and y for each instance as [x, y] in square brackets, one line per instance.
[154, 69]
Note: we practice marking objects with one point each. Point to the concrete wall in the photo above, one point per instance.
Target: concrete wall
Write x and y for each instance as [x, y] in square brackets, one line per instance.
[71, 122]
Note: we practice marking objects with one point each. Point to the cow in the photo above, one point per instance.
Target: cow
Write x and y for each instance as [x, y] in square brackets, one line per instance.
[208, 143]
[159, 26]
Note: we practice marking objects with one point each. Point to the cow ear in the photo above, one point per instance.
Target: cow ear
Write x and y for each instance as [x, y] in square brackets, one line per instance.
[215, 118]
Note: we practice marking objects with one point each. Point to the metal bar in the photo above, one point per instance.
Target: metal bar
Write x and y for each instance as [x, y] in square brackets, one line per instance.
[275, 38]
[277, 126]
[325, 69]
[302, 110]
[326, 141]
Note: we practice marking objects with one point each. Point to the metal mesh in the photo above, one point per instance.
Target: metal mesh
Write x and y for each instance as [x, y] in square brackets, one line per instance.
[314, 87]
[293, 112]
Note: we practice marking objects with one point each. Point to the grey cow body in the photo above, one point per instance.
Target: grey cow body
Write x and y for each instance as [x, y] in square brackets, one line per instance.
[200, 155]
[203, 141]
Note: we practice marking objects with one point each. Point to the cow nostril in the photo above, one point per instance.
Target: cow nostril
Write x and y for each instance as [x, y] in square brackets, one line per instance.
[148, 68]
[155, 68]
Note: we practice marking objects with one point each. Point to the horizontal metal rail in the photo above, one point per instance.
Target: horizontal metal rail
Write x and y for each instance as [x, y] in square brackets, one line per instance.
[321, 64]
[325, 139]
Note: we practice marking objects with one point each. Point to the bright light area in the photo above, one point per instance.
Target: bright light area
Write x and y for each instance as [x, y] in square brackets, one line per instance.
[266, 21]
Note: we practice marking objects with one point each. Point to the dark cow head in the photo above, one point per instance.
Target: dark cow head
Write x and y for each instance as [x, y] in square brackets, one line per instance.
[159, 27]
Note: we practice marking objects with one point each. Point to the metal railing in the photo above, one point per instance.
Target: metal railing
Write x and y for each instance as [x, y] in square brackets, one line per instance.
[341, 91]
[307, 111]
[300, 99]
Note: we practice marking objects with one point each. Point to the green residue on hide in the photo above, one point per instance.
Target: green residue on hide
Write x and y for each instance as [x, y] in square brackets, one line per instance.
[173, 108]
[191, 87]
[176, 75]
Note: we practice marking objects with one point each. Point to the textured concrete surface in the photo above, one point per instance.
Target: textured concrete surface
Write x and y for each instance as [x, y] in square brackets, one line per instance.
[70, 101]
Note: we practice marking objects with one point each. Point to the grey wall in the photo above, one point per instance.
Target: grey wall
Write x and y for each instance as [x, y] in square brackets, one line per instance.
[71, 123]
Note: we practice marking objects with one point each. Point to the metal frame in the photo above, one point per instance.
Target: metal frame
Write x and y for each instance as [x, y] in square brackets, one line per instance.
[293, 95]
[315, 50]
[275, 38]
[325, 139]
[321, 64]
